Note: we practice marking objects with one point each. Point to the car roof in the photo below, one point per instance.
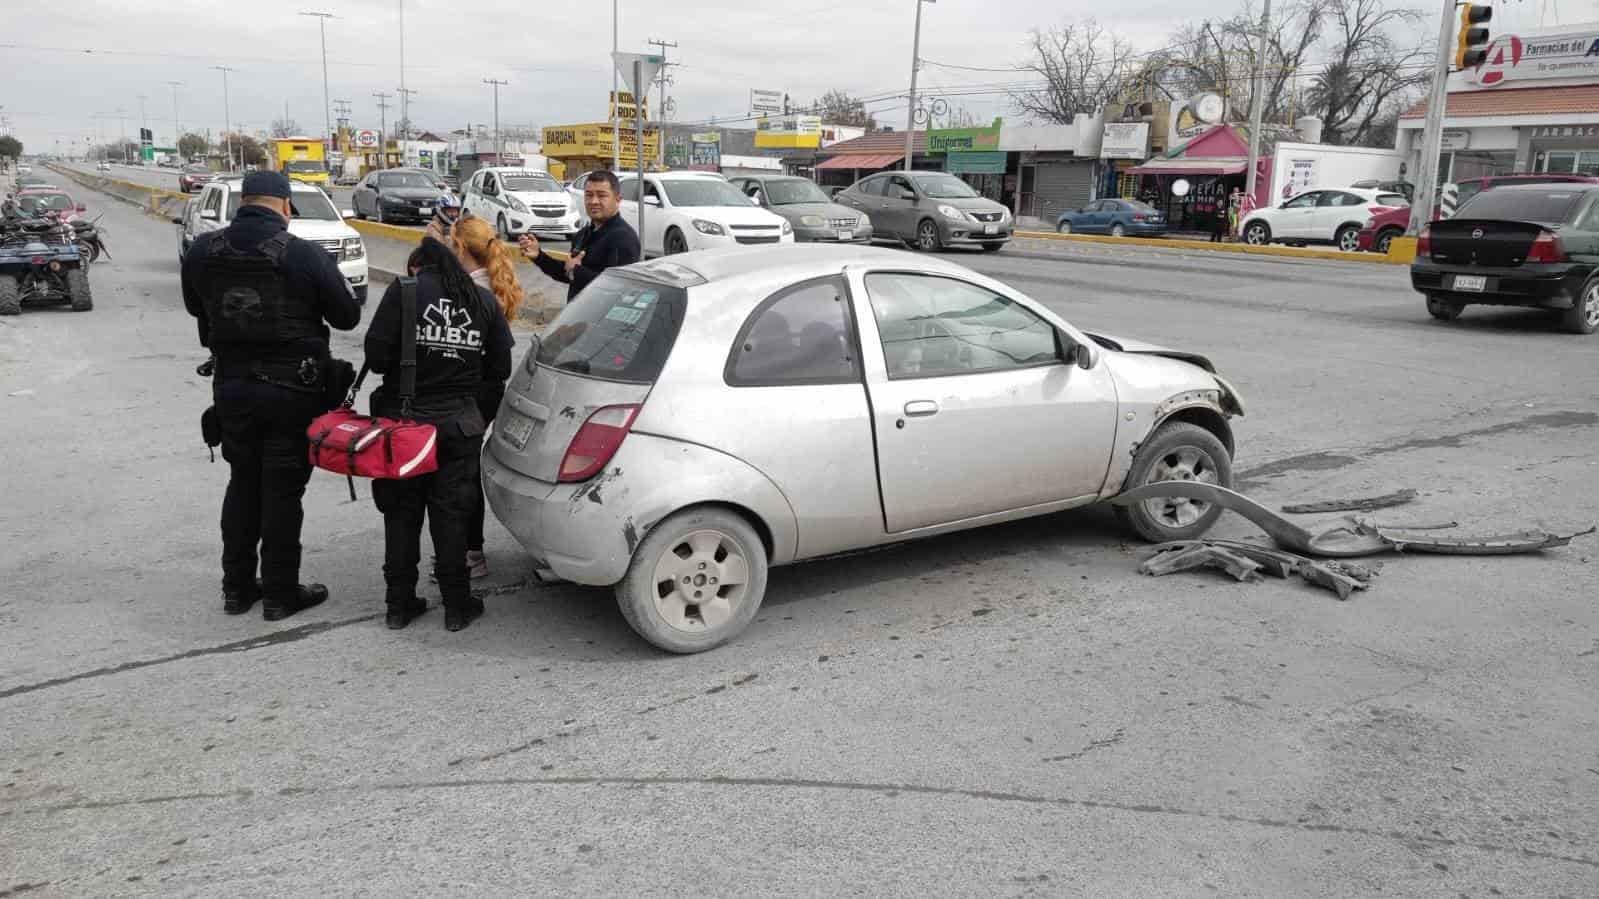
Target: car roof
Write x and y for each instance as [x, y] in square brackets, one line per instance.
[234, 177]
[513, 170]
[677, 176]
[1530, 187]
[1532, 178]
[734, 262]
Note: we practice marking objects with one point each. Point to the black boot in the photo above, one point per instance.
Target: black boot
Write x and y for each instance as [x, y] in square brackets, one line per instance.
[306, 596]
[458, 615]
[403, 613]
[237, 602]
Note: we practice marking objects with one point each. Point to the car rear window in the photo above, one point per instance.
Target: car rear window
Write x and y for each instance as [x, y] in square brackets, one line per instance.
[620, 328]
[1392, 200]
[1547, 206]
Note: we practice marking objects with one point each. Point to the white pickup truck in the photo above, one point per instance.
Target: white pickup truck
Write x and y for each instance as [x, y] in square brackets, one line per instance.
[315, 219]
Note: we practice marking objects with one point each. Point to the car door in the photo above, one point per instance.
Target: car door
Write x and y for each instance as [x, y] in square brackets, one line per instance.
[865, 196]
[657, 218]
[898, 214]
[1293, 218]
[1334, 208]
[361, 194]
[490, 199]
[212, 211]
[975, 410]
[472, 197]
[1099, 216]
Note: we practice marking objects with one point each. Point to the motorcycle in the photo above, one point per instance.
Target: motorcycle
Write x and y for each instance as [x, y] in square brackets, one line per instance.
[90, 240]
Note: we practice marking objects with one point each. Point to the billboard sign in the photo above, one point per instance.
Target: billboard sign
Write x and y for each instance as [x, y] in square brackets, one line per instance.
[622, 107]
[789, 132]
[366, 139]
[1125, 140]
[766, 102]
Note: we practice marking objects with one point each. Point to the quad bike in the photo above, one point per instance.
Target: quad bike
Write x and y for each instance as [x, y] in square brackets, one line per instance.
[40, 265]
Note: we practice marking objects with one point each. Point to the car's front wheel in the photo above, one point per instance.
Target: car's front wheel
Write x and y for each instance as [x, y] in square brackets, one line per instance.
[675, 242]
[1117, 230]
[10, 296]
[377, 211]
[1063, 228]
[928, 239]
[696, 580]
[1443, 310]
[500, 229]
[1257, 234]
[1386, 240]
[1177, 451]
[1583, 316]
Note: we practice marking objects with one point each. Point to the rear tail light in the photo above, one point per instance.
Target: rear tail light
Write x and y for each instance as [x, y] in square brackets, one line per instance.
[1424, 241]
[1139, 218]
[596, 442]
[1547, 248]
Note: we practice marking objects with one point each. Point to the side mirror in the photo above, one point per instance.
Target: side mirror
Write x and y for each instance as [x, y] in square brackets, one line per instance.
[652, 201]
[1078, 354]
[209, 215]
[347, 213]
[907, 194]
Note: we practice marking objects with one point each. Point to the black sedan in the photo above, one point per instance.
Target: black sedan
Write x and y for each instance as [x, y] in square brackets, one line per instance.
[1531, 245]
[396, 195]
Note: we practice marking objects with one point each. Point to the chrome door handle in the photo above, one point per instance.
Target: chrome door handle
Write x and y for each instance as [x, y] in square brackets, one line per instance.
[920, 408]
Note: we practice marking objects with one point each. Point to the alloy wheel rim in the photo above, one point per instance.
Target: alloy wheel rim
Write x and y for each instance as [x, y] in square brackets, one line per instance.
[1591, 312]
[1182, 464]
[929, 236]
[1349, 242]
[701, 581]
[1257, 235]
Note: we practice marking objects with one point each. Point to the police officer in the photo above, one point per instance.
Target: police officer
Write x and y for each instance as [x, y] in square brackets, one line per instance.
[463, 344]
[263, 300]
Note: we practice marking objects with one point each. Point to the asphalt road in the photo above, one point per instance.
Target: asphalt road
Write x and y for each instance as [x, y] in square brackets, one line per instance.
[1007, 712]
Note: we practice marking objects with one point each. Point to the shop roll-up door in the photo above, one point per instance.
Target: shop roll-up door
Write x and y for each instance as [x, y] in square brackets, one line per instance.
[1061, 184]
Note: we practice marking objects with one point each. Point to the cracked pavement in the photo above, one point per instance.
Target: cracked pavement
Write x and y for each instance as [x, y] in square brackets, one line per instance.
[1007, 712]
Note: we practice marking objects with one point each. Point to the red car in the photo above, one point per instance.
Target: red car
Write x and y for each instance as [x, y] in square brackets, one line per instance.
[194, 177]
[1380, 230]
[39, 200]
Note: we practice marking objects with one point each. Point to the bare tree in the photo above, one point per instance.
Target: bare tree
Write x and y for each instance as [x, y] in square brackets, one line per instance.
[285, 127]
[1369, 74]
[838, 107]
[1222, 56]
[1083, 67]
[960, 117]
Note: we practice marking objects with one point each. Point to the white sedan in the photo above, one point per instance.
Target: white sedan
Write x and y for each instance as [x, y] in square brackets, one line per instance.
[698, 211]
[522, 201]
[1332, 215]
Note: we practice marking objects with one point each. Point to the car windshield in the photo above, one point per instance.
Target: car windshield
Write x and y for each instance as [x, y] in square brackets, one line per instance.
[306, 204]
[944, 187]
[620, 328]
[37, 203]
[196, 168]
[407, 179]
[304, 165]
[530, 183]
[790, 192]
[1549, 206]
[703, 192]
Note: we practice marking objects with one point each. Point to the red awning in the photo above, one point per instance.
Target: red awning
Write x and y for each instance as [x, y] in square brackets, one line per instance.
[1216, 165]
[868, 161]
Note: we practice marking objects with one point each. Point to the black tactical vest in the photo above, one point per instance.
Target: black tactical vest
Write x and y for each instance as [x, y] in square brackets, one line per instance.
[246, 302]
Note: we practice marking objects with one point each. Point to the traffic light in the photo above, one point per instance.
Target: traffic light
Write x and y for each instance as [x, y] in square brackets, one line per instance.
[1472, 41]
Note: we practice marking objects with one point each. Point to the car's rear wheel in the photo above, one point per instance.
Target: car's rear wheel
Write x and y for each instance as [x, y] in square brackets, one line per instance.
[1177, 451]
[675, 242]
[1117, 230]
[78, 290]
[1063, 228]
[10, 298]
[696, 581]
[1443, 310]
[1348, 238]
[1257, 234]
[1583, 317]
[928, 239]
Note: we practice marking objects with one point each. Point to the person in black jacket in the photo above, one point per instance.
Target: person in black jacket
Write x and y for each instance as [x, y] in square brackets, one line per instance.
[604, 242]
[263, 301]
[462, 343]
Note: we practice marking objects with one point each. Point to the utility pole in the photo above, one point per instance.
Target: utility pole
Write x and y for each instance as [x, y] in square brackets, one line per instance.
[144, 125]
[405, 95]
[177, 129]
[327, 115]
[616, 117]
[1432, 134]
[227, 115]
[910, 106]
[122, 126]
[405, 120]
[383, 125]
[660, 109]
[1257, 107]
[497, 151]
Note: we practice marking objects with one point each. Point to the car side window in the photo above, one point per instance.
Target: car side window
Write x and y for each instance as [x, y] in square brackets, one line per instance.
[895, 185]
[650, 190]
[1337, 198]
[630, 189]
[1304, 201]
[798, 336]
[1590, 219]
[213, 202]
[933, 326]
[491, 186]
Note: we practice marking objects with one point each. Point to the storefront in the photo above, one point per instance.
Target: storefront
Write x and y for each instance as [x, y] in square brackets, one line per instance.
[1049, 168]
[1208, 167]
[584, 148]
[846, 162]
[1532, 106]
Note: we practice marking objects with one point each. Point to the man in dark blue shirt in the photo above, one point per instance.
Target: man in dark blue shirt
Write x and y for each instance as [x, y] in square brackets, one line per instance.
[263, 300]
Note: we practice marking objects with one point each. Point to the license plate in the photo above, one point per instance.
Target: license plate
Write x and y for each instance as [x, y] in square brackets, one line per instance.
[846, 235]
[1473, 283]
[516, 427]
[425, 210]
[990, 229]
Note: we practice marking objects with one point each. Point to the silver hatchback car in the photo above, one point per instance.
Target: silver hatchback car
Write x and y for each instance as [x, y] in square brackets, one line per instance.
[688, 423]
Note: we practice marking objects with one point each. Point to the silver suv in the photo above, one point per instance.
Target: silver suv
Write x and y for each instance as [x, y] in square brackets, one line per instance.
[929, 210]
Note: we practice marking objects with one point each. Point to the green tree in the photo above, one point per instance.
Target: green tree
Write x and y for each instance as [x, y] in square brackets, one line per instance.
[10, 147]
[247, 149]
[191, 145]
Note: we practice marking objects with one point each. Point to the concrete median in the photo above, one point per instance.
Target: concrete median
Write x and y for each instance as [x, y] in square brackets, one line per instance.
[155, 200]
[1400, 252]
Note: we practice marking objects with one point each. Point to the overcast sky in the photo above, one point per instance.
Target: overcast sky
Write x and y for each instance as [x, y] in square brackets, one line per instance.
[558, 65]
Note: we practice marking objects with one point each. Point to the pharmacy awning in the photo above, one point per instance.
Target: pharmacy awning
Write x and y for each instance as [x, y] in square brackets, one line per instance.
[862, 161]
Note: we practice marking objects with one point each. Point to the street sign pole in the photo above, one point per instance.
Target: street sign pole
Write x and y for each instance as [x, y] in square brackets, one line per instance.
[638, 131]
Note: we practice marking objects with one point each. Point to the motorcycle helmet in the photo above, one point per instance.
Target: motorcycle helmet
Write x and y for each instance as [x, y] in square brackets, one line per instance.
[447, 211]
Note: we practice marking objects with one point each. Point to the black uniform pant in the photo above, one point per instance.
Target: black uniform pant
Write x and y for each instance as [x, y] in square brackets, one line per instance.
[446, 500]
[264, 443]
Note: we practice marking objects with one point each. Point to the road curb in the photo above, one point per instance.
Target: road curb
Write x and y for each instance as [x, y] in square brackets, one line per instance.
[1238, 248]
